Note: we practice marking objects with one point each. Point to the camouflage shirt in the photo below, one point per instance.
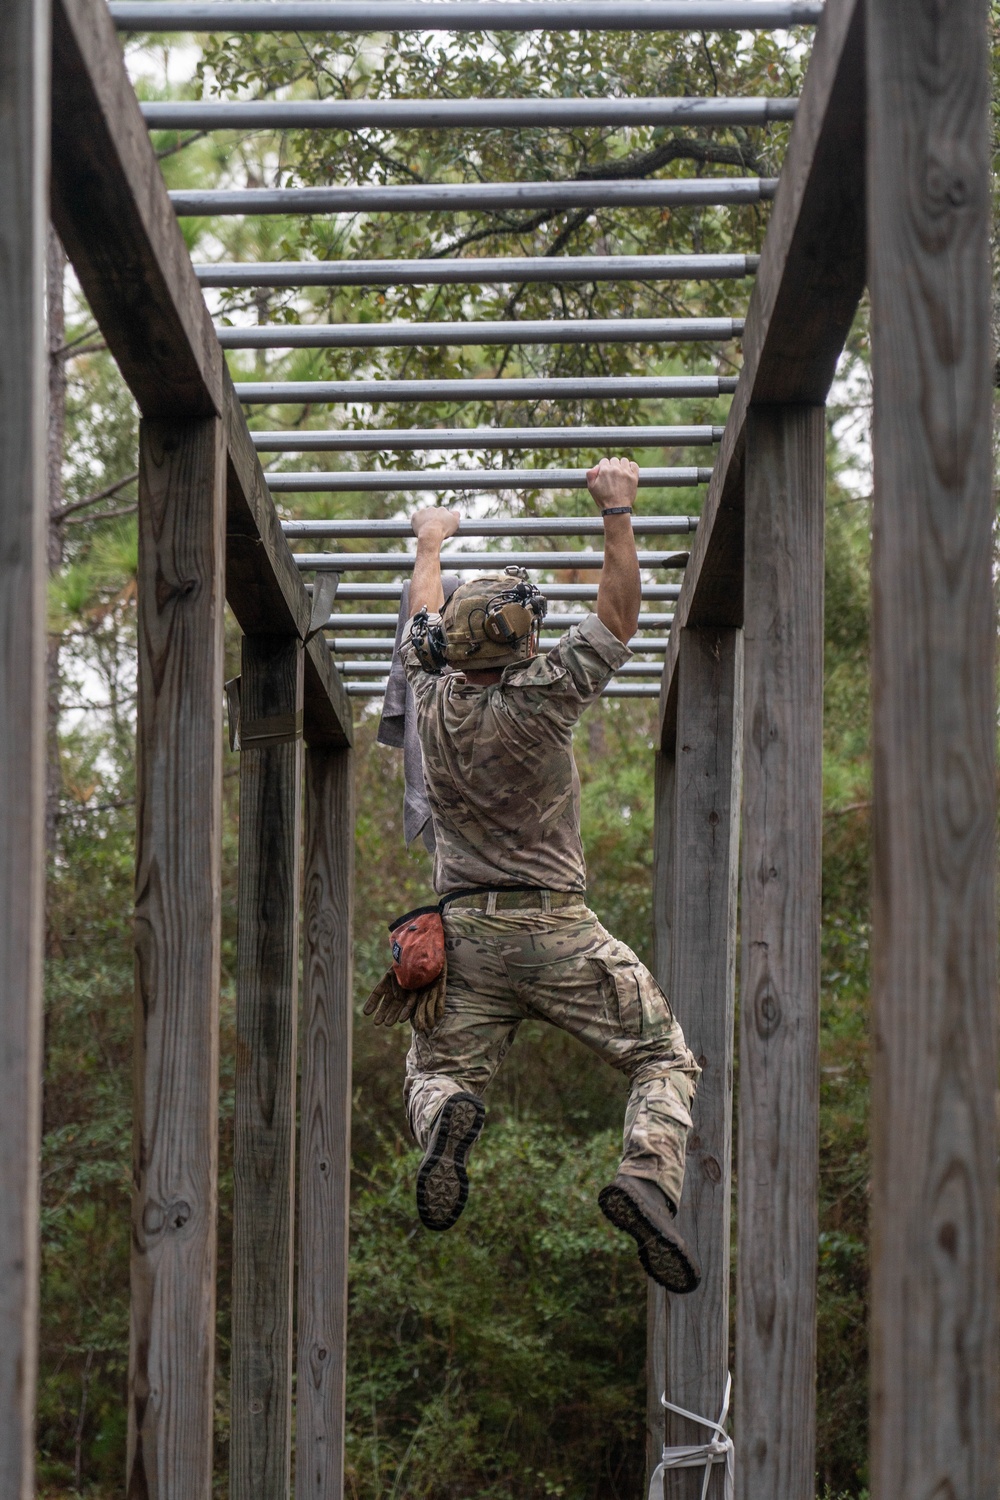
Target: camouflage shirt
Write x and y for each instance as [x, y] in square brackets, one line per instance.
[498, 763]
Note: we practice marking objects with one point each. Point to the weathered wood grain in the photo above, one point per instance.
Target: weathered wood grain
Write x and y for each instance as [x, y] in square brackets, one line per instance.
[267, 986]
[664, 775]
[24, 111]
[177, 943]
[811, 275]
[934, 1324]
[709, 749]
[111, 207]
[779, 1011]
[113, 215]
[325, 1148]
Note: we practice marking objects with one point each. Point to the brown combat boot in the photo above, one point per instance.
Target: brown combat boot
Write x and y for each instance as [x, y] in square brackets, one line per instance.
[644, 1211]
[442, 1183]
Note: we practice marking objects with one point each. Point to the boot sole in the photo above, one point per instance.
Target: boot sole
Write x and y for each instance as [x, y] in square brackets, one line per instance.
[664, 1257]
[442, 1182]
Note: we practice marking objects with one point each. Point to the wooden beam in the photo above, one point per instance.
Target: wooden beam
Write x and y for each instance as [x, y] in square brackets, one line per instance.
[709, 752]
[115, 219]
[177, 942]
[779, 1012]
[664, 777]
[267, 987]
[934, 1206]
[811, 275]
[325, 1152]
[24, 111]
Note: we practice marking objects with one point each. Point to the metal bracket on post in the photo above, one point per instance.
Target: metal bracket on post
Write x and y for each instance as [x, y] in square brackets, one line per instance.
[324, 593]
[258, 734]
[233, 712]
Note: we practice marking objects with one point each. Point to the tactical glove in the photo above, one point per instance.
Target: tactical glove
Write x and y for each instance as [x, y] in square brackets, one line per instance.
[389, 1003]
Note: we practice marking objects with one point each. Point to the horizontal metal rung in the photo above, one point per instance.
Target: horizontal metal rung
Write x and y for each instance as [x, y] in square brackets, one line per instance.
[432, 335]
[516, 526]
[387, 621]
[614, 690]
[597, 388]
[369, 668]
[348, 646]
[463, 197]
[455, 114]
[480, 271]
[347, 482]
[577, 592]
[416, 439]
[465, 562]
[352, 16]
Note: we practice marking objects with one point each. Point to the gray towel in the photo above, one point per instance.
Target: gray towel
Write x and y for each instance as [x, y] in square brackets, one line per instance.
[398, 728]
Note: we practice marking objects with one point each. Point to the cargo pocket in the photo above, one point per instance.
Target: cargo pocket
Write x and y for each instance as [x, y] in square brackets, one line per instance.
[623, 972]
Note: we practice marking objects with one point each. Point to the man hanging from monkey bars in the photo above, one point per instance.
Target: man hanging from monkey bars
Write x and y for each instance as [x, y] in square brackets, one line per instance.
[515, 938]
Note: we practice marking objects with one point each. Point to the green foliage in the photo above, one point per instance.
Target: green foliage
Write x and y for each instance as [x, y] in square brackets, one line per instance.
[504, 1358]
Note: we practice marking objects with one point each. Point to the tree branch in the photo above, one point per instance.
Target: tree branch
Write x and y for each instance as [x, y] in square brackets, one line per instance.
[60, 515]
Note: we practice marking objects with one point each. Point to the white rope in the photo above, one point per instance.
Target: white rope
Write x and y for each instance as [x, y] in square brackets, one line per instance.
[717, 1450]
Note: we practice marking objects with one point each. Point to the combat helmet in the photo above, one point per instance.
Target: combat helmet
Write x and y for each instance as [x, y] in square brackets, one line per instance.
[489, 622]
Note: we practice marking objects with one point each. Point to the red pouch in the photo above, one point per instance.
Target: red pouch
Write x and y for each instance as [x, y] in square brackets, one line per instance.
[418, 947]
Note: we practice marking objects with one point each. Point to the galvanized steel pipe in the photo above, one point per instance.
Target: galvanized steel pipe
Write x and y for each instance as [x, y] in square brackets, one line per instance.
[591, 525]
[347, 482]
[581, 388]
[485, 270]
[387, 621]
[613, 690]
[465, 197]
[345, 16]
[470, 562]
[414, 439]
[452, 114]
[577, 592]
[523, 331]
[351, 646]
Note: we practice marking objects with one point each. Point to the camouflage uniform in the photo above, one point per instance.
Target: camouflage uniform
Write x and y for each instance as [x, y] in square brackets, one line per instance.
[505, 798]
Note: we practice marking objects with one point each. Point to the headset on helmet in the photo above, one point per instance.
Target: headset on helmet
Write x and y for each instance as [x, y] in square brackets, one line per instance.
[429, 640]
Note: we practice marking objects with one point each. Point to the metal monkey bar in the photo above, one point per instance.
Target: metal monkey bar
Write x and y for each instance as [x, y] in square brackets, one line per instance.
[404, 440]
[614, 690]
[465, 562]
[351, 646]
[453, 114]
[387, 621]
[517, 526]
[577, 592]
[523, 331]
[463, 15]
[572, 388]
[489, 197]
[485, 270]
[347, 481]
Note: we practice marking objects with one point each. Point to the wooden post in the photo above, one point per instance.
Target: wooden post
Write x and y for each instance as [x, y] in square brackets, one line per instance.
[934, 1242]
[664, 775]
[325, 1154]
[702, 990]
[24, 110]
[779, 1014]
[267, 982]
[177, 942]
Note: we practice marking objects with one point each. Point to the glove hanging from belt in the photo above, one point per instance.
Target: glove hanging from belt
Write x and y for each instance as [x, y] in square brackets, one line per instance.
[413, 989]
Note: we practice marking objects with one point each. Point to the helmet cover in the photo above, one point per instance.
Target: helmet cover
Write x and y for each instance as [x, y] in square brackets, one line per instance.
[493, 621]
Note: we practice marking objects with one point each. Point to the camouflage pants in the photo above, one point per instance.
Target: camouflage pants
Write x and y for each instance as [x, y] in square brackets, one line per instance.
[559, 966]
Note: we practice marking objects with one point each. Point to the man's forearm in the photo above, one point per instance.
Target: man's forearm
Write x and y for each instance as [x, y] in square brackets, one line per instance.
[619, 593]
[426, 588]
